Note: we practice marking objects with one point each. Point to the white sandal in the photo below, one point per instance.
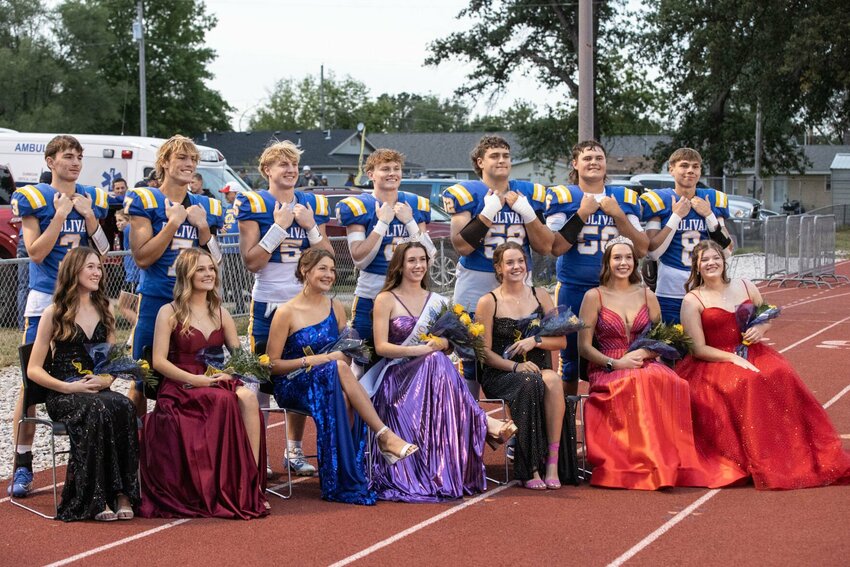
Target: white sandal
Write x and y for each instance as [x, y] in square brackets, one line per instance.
[390, 457]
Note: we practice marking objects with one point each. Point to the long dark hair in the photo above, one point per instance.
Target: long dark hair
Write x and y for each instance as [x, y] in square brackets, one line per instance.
[396, 267]
[605, 274]
[695, 279]
[66, 298]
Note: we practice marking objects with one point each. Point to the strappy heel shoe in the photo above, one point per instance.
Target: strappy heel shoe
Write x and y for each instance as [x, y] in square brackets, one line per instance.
[553, 483]
[389, 456]
[507, 431]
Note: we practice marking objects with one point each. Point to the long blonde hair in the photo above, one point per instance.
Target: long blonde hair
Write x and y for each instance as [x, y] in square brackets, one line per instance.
[66, 298]
[185, 268]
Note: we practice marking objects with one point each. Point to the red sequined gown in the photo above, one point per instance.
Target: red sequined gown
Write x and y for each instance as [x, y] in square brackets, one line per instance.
[638, 421]
[767, 422]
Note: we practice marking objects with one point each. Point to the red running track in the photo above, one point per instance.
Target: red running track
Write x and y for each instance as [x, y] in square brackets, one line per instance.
[509, 525]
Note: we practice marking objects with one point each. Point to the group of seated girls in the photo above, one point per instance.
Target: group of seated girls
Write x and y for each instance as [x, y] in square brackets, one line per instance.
[718, 419]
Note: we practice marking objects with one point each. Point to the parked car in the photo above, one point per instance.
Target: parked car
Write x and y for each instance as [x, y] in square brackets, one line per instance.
[10, 227]
[430, 188]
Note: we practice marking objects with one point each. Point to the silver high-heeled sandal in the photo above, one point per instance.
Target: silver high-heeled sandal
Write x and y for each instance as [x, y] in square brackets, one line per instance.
[392, 458]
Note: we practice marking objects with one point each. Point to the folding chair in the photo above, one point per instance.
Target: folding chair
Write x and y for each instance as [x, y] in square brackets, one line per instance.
[576, 405]
[36, 394]
[501, 402]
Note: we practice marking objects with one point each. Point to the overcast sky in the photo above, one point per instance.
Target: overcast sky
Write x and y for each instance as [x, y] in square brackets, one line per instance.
[381, 43]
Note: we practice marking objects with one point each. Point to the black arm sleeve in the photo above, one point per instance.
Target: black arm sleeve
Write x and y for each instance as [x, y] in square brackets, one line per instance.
[720, 238]
[474, 232]
[571, 230]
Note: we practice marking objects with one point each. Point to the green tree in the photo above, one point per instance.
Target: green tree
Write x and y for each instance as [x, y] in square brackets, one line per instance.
[728, 58]
[410, 112]
[540, 40]
[294, 105]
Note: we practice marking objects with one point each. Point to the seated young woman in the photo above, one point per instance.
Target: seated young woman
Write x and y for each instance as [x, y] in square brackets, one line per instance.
[526, 380]
[417, 390]
[203, 446]
[638, 417]
[101, 481]
[755, 411]
[328, 389]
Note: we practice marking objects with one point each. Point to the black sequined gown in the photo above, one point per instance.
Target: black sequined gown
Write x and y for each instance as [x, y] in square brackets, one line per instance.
[104, 457]
[524, 392]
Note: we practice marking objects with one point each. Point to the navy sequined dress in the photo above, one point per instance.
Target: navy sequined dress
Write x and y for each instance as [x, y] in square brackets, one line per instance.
[104, 456]
[319, 393]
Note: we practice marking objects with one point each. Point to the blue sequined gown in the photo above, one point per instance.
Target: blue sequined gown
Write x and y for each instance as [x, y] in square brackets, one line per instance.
[319, 392]
[426, 402]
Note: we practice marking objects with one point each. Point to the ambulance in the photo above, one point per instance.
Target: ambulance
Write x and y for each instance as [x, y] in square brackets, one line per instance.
[106, 158]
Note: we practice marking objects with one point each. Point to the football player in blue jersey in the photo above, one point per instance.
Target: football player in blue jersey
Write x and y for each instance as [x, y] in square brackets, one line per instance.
[163, 221]
[375, 224]
[56, 217]
[583, 216]
[275, 227]
[488, 213]
[677, 219]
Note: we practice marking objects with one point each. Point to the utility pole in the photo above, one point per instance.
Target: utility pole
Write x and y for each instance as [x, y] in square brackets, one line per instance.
[585, 70]
[322, 98]
[139, 35]
[757, 160]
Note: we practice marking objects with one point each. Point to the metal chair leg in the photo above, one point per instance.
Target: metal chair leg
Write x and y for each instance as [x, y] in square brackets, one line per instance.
[507, 464]
[288, 495]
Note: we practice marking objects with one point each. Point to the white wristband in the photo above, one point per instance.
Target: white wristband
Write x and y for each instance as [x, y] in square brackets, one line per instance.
[214, 249]
[491, 209]
[412, 228]
[381, 228]
[673, 222]
[313, 235]
[711, 222]
[272, 239]
[100, 241]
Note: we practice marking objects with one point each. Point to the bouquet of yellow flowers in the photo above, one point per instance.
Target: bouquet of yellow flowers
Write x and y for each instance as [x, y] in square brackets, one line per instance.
[249, 367]
[558, 322]
[667, 341]
[114, 361]
[748, 315]
[453, 323]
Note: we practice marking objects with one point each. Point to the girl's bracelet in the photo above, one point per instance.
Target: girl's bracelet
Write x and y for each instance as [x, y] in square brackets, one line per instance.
[515, 366]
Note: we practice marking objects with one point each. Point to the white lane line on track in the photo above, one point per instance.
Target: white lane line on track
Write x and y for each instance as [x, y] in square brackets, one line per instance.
[39, 490]
[815, 299]
[424, 524]
[712, 493]
[116, 543]
[664, 528]
[152, 531]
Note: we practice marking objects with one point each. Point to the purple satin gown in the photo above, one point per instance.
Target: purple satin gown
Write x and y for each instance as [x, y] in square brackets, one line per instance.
[426, 402]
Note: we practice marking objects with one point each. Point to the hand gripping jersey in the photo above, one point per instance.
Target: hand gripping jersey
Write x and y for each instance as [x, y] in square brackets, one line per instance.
[658, 204]
[147, 202]
[363, 210]
[468, 196]
[37, 201]
[581, 263]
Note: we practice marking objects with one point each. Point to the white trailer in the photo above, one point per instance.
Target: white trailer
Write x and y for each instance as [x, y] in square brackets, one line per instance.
[106, 158]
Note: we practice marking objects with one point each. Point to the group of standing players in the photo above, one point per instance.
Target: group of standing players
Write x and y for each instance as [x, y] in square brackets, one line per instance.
[571, 222]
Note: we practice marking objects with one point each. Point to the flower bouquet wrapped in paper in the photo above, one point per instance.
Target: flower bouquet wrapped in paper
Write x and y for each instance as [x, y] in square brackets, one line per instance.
[349, 343]
[748, 315]
[667, 341]
[114, 361]
[557, 322]
[249, 367]
[455, 325]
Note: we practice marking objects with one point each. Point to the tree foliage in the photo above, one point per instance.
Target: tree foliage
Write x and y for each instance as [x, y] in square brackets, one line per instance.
[727, 58]
[74, 68]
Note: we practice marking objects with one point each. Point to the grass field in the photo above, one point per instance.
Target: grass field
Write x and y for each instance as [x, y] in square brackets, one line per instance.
[842, 242]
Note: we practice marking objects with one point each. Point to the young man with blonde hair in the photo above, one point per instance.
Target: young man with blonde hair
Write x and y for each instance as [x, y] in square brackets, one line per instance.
[677, 219]
[56, 217]
[375, 224]
[275, 226]
[164, 221]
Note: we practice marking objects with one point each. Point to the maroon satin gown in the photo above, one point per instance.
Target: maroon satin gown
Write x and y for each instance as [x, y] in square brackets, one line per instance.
[767, 422]
[638, 421]
[196, 460]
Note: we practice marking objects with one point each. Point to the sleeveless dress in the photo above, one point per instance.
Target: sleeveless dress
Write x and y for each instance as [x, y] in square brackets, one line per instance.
[341, 447]
[638, 421]
[427, 403]
[768, 422]
[524, 393]
[104, 454]
[196, 457]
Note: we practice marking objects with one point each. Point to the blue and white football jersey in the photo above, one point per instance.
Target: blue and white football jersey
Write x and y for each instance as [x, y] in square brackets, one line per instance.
[581, 264]
[37, 201]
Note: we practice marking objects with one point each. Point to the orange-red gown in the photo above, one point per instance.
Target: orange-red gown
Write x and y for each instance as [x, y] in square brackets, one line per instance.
[766, 422]
[638, 421]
